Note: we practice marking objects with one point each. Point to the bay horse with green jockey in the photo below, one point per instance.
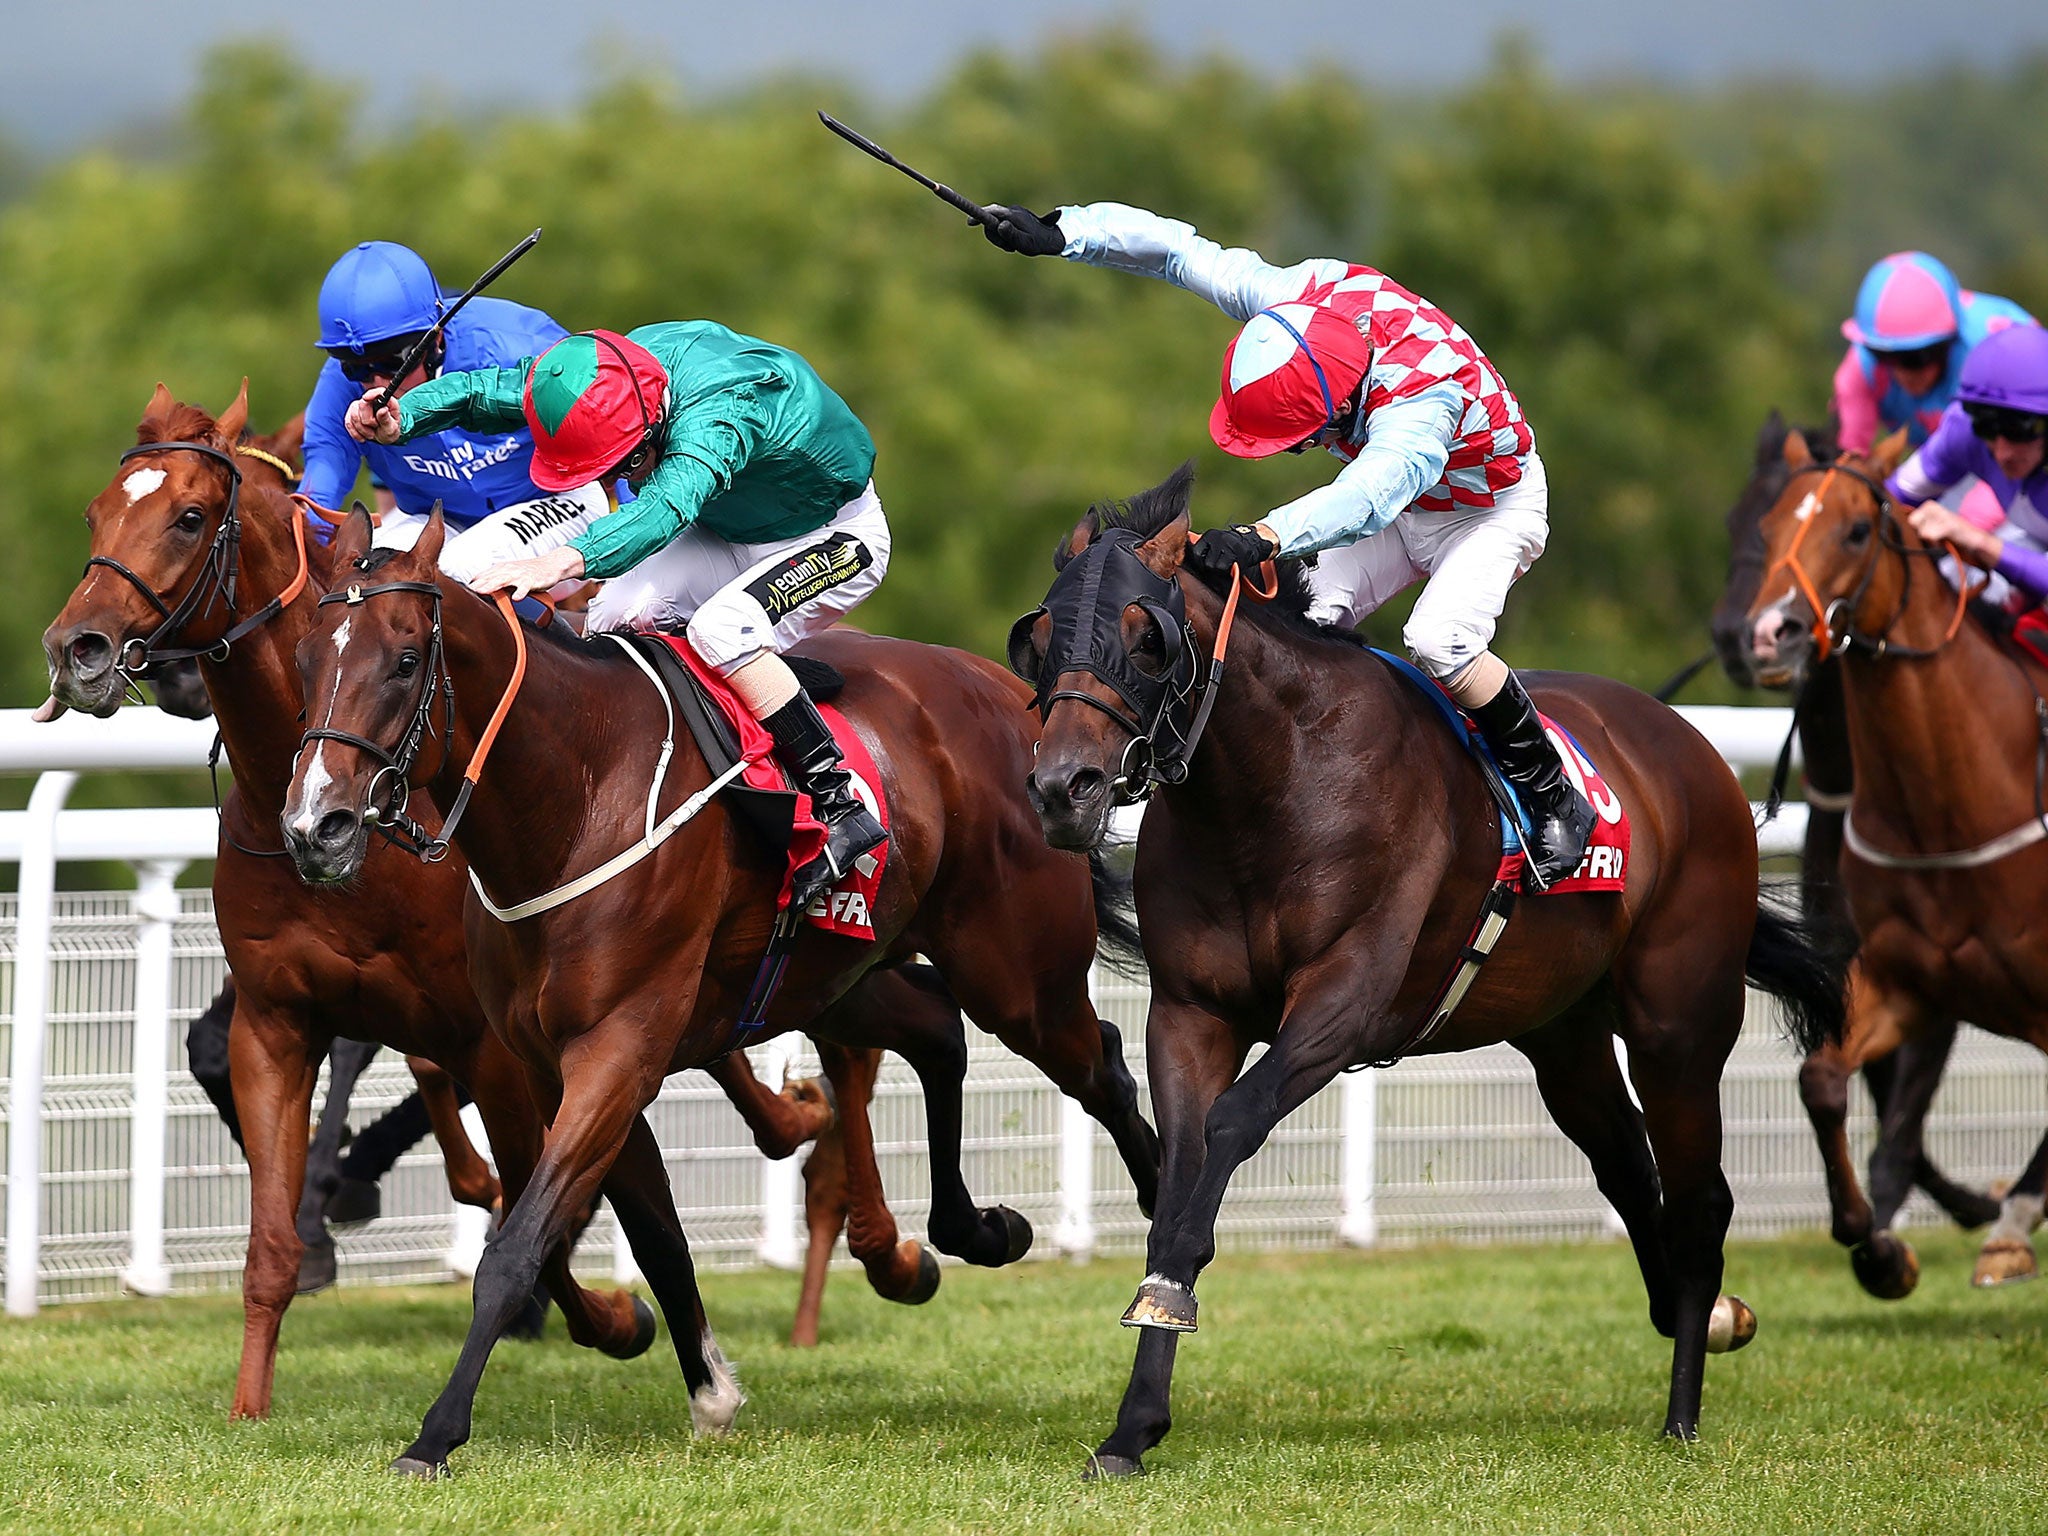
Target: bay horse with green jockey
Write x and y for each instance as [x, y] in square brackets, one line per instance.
[650, 971]
[1948, 734]
[1309, 873]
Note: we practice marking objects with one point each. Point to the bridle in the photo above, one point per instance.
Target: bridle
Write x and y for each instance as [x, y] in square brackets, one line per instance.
[216, 582]
[396, 764]
[1160, 749]
[1887, 535]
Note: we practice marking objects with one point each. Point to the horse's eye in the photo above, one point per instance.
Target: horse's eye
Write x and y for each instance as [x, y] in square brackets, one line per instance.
[408, 663]
[191, 520]
[1858, 533]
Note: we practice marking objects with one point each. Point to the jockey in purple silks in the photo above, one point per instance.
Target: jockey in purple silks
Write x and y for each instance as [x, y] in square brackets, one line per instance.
[1913, 331]
[1994, 431]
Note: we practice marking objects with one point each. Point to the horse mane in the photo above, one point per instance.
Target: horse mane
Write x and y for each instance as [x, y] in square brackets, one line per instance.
[1151, 510]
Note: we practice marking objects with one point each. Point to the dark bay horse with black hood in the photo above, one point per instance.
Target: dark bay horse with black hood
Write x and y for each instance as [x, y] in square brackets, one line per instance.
[1308, 873]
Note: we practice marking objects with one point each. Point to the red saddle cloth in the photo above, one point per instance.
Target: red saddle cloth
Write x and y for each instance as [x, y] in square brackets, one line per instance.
[845, 908]
[1605, 866]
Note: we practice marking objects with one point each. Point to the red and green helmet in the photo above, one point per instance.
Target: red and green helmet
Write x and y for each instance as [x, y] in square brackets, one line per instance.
[590, 400]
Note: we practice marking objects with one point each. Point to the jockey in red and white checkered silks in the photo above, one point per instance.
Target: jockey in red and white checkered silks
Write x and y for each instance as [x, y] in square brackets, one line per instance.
[1441, 481]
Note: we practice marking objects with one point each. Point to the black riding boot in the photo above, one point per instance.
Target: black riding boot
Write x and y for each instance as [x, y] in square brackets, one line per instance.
[804, 743]
[1562, 819]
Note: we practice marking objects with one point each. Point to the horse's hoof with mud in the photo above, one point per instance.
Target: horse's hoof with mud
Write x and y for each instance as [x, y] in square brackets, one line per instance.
[1162, 1303]
[317, 1268]
[420, 1469]
[2005, 1261]
[1730, 1325]
[1886, 1266]
[1103, 1466]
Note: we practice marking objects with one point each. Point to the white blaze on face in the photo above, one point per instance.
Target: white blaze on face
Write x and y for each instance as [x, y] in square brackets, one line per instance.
[141, 483]
[1808, 507]
[314, 785]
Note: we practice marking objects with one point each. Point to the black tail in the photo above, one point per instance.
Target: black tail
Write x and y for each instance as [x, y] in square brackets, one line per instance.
[1116, 917]
[1802, 962]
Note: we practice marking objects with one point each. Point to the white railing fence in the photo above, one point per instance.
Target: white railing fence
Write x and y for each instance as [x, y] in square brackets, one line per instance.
[119, 1176]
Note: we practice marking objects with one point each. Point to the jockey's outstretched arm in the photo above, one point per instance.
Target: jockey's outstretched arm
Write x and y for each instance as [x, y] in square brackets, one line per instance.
[1237, 281]
[1405, 455]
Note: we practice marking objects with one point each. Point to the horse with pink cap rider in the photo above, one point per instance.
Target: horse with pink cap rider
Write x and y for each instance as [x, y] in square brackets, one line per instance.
[1913, 331]
[1441, 481]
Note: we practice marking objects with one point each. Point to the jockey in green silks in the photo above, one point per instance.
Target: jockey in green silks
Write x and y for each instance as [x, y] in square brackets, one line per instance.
[754, 524]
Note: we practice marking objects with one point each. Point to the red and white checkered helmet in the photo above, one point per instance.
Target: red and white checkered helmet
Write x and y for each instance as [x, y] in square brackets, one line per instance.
[1286, 376]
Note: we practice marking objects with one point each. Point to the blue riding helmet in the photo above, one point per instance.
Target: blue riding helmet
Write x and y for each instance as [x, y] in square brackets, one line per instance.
[376, 291]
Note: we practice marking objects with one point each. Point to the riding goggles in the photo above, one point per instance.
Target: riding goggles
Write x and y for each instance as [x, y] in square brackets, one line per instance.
[362, 367]
[1995, 421]
[1918, 357]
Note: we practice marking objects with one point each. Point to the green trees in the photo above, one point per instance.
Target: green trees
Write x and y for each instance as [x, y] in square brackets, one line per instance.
[1642, 291]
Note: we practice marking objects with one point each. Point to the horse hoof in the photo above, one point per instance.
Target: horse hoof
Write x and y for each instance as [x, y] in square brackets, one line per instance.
[1016, 1232]
[420, 1468]
[2005, 1261]
[1730, 1326]
[1886, 1266]
[354, 1202]
[927, 1283]
[643, 1333]
[1162, 1303]
[1103, 1465]
[317, 1268]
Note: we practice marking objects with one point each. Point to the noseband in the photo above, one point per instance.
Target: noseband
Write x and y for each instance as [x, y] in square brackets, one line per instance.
[1888, 536]
[393, 824]
[216, 583]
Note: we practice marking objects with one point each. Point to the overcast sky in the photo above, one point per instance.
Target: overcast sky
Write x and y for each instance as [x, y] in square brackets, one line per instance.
[72, 69]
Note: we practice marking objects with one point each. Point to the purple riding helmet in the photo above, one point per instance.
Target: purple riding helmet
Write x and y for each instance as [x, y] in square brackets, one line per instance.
[2008, 369]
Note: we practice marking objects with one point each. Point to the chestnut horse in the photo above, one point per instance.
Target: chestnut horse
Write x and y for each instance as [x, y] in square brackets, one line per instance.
[646, 972]
[1308, 873]
[1916, 1068]
[1947, 733]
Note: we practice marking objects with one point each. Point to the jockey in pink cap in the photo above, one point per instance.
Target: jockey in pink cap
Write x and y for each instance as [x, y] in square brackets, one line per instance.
[1441, 481]
[1913, 330]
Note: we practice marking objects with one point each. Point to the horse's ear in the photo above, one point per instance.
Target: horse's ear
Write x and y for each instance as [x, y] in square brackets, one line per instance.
[160, 406]
[228, 426]
[352, 540]
[1164, 552]
[427, 551]
[1796, 454]
[1082, 536]
[1770, 437]
[288, 442]
[1889, 454]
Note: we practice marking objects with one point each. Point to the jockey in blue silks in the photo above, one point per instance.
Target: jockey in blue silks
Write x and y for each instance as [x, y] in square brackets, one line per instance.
[374, 304]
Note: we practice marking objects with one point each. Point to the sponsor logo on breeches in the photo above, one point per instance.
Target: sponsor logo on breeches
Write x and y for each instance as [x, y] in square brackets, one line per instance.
[815, 569]
[536, 517]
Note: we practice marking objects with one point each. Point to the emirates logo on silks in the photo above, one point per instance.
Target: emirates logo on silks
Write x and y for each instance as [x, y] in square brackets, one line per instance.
[808, 573]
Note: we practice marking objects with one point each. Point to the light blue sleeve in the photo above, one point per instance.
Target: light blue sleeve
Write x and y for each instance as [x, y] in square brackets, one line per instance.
[1237, 281]
[1409, 443]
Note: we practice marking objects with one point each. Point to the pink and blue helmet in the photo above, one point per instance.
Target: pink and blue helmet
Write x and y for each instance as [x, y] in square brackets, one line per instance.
[1908, 300]
[376, 291]
[2008, 368]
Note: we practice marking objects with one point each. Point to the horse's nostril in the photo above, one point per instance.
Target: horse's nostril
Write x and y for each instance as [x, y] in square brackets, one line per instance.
[335, 827]
[1085, 785]
[90, 654]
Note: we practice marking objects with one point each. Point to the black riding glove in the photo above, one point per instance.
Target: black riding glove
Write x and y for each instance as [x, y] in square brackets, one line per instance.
[1216, 551]
[1026, 233]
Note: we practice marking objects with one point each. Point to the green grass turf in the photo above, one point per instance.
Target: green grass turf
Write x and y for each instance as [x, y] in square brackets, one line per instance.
[1471, 1390]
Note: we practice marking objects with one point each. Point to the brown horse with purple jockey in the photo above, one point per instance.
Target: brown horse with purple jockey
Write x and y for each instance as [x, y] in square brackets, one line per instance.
[1946, 730]
[1311, 873]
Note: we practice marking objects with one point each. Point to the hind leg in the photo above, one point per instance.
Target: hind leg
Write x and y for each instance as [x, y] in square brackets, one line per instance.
[1901, 1072]
[1681, 1010]
[1582, 1087]
[1885, 1263]
[826, 1208]
[317, 1265]
[1879, 1021]
[2008, 1252]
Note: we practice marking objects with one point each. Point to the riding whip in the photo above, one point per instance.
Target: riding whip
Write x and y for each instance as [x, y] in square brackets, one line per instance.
[414, 352]
[986, 217]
